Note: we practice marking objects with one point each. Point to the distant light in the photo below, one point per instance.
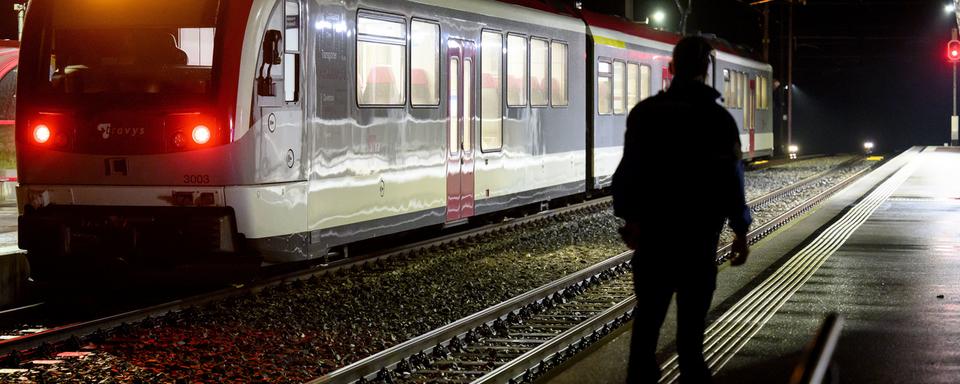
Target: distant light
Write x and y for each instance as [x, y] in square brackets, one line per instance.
[659, 17]
[793, 149]
[201, 134]
[949, 8]
[868, 145]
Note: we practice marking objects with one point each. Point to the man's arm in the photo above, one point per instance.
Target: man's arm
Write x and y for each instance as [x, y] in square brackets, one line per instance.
[738, 212]
[625, 189]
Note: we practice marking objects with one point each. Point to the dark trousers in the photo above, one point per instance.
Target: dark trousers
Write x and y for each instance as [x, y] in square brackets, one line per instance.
[693, 277]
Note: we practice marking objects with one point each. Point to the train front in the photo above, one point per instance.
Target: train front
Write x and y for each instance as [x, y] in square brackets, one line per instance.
[125, 133]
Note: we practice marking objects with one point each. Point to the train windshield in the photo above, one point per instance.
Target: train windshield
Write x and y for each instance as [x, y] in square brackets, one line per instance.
[163, 47]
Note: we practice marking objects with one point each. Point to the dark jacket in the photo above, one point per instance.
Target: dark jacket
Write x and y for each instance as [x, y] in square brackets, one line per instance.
[681, 163]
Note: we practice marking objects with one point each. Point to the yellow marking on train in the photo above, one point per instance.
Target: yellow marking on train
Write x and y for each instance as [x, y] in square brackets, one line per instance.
[875, 158]
[760, 162]
[608, 41]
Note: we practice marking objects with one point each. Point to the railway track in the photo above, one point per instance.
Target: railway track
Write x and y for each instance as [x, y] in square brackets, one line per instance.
[67, 337]
[23, 344]
[520, 339]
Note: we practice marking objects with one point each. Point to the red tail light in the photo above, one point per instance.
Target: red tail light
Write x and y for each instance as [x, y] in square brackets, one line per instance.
[41, 134]
[188, 131]
[201, 134]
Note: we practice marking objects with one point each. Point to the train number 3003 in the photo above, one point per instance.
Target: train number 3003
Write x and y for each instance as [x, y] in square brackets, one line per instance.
[196, 179]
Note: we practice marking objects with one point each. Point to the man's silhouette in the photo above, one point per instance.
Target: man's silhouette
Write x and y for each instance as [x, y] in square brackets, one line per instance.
[680, 178]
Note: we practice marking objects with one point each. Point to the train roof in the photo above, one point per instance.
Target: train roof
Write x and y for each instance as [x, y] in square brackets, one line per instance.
[666, 40]
[632, 31]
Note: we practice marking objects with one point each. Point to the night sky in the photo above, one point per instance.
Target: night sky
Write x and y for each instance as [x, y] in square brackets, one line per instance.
[864, 69]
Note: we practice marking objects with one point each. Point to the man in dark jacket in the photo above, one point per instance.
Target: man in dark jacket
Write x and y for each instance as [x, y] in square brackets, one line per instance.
[680, 178]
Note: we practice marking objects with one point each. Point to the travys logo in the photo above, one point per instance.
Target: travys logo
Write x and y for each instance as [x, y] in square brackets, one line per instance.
[107, 129]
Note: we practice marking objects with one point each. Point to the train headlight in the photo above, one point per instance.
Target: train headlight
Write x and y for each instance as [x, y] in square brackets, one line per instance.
[793, 149]
[201, 134]
[41, 134]
[868, 145]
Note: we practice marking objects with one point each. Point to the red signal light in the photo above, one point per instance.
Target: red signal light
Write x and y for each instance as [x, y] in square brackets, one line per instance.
[953, 50]
[41, 134]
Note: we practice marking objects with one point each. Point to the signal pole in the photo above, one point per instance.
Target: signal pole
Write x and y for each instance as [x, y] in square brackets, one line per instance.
[790, 77]
[954, 122]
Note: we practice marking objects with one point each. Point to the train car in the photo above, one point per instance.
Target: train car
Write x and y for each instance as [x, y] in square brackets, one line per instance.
[183, 131]
[630, 63]
[187, 127]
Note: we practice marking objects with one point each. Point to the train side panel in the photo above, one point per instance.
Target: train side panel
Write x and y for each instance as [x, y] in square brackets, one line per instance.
[615, 53]
[379, 169]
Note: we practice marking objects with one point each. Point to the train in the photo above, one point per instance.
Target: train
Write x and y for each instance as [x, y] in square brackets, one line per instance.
[272, 131]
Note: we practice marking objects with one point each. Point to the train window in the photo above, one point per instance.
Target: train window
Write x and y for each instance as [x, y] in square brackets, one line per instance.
[292, 26]
[645, 82]
[467, 104]
[604, 88]
[558, 74]
[291, 60]
[516, 71]
[726, 87]
[156, 48]
[738, 89]
[619, 107]
[454, 105]
[539, 68]
[744, 89]
[765, 94]
[758, 91]
[381, 61]
[424, 63]
[491, 91]
[633, 74]
[197, 43]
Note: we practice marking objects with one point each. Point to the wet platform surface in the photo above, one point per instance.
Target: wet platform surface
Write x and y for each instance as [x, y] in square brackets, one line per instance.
[884, 253]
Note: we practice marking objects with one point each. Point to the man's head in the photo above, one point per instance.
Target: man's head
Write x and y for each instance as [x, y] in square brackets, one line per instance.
[691, 57]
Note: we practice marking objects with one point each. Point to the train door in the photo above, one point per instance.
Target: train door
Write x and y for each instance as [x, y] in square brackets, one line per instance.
[279, 97]
[461, 59]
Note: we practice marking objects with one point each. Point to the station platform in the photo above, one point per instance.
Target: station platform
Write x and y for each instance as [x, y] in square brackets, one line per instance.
[884, 253]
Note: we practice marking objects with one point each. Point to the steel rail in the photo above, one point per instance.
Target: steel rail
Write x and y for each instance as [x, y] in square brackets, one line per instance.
[25, 344]
[368, 368]
[723, 253]
[534, 360]
[788, 189]
[515, 370]
[388, 358]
